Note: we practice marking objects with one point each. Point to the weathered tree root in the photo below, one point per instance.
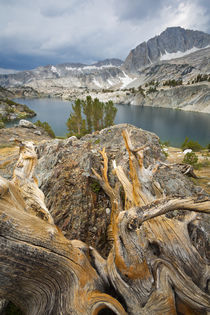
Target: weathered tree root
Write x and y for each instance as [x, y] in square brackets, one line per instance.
[153, 268]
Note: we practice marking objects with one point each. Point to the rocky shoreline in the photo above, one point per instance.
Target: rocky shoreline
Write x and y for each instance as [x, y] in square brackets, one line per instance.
[194, 97]
[187, 97]
[10, 110]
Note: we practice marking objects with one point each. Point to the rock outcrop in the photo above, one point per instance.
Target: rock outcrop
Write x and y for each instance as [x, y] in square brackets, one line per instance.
[184, 68]
[26, 124]
[10, 110]
[189, 98]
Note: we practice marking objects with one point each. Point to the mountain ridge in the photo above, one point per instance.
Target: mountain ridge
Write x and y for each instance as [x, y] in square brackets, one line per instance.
[172, 40]
[110, 78]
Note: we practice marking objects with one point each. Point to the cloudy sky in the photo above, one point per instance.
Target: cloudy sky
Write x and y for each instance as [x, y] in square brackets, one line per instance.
[41, 32]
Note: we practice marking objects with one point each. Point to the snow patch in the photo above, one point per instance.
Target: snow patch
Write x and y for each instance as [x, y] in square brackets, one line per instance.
[179, 54]
[90, 67]
[110, 82]
[187, 151]
[54, 69]
[96, 83]
[73, 69]
[126, 80]
[100, 67]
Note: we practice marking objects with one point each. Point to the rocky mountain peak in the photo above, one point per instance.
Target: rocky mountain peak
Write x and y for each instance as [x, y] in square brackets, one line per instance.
[109, 62]
[172, 43]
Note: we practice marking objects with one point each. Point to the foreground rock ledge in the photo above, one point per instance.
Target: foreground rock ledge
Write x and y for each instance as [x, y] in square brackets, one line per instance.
[158, 264]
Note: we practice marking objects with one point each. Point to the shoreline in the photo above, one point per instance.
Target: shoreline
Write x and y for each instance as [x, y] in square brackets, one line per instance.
[190, 98]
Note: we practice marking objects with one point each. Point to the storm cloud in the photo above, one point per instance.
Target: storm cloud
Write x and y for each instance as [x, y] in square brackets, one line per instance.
[34, 33]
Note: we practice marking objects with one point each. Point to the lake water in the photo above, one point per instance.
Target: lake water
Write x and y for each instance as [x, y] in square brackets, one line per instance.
[169, 125]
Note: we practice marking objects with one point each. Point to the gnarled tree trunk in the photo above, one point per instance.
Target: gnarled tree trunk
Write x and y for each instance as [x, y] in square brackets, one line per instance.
[154, 266]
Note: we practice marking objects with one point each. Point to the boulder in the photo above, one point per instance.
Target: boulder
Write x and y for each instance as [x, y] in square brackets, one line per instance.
[37, 132]
[26, 124]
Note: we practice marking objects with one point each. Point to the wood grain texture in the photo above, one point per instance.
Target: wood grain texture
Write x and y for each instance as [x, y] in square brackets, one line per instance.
[154, 266]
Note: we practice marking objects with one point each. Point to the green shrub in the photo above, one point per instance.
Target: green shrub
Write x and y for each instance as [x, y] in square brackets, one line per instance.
[164, 143]
[46, 127]
[190, 144]
[152, 90]
[201, 77]
[95, 186]
[190, 158]
[153, 82]
[1, 124]
[133, 90]
[141, 90]
[1, 121]
[172, 83]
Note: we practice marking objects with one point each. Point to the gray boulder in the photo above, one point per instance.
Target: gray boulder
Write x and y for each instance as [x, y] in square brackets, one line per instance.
[26, 124]
[37, 132]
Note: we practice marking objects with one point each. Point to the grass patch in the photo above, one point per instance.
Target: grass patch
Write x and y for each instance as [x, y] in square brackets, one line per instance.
[95, 187]
[97, 141]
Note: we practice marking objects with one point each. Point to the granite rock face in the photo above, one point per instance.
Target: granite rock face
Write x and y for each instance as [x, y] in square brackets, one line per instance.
[184, 68]
[172, 40]
[78, 205]
[189, 98]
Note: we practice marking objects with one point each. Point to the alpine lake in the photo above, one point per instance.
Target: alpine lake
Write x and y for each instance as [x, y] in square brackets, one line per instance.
[169, 124]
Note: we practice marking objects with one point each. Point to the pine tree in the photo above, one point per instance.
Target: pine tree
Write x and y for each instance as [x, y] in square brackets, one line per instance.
[97, 116]
[87, 107]
[110, 113]
[76, 124]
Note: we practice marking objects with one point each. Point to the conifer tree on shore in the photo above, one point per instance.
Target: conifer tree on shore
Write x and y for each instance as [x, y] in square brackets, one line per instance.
[90, 115]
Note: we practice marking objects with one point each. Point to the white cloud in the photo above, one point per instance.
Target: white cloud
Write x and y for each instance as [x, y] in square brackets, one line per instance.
[83, 30]
[187, 14]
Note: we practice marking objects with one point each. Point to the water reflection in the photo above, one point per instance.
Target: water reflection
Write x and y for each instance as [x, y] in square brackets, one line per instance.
[169, 125]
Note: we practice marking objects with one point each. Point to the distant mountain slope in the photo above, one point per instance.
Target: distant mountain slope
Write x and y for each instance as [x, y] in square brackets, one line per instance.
[107, 62]
[157, 59]
[98, 75]
[7, 71]
[173, 42]
[185, 68]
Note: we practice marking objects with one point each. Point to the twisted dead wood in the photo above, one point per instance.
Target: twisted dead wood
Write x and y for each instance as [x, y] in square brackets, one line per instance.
[153, 263]
[40, 270]
[153, 267]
